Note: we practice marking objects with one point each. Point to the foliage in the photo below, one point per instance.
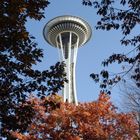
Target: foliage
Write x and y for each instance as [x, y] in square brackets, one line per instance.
[131, 94]
[18, 53]
[122, 15]
[98, 120]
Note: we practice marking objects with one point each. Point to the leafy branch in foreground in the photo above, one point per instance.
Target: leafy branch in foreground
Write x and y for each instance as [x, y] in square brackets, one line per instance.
[18, 53]
[124, 18]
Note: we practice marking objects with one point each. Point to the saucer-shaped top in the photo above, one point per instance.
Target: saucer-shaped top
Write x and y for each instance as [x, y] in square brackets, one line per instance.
[64, 25]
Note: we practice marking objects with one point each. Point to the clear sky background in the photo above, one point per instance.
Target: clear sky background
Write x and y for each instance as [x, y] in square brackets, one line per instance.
[101, 45]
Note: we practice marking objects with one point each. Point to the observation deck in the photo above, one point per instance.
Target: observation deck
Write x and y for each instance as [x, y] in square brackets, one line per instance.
[64, 25]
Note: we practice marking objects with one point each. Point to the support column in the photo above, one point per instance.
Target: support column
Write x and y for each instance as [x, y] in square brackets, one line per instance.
[73, 71]
[69, 56]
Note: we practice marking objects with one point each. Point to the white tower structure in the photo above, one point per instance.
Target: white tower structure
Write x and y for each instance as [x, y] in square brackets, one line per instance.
[68, 33]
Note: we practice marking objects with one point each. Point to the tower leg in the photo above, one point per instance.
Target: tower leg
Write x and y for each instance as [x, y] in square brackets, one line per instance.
[69, 56]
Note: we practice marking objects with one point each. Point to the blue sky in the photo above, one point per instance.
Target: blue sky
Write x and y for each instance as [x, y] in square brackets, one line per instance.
[100, 46]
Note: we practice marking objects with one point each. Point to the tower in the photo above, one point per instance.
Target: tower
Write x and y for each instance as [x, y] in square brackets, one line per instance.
[67, 34]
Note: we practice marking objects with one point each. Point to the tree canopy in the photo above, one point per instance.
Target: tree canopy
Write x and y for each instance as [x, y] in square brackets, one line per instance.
[98, 120]
[18, 53]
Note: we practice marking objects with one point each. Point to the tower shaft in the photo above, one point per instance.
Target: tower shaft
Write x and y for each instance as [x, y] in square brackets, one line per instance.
[69, 57]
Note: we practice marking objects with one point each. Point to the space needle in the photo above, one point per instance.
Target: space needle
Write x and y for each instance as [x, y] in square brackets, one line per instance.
[68, 33]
